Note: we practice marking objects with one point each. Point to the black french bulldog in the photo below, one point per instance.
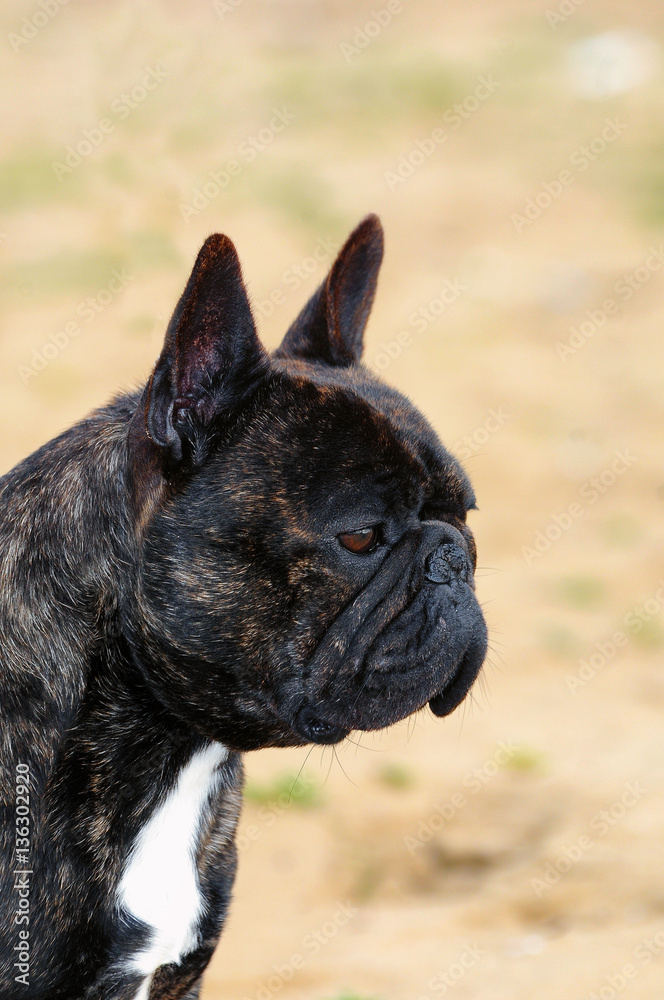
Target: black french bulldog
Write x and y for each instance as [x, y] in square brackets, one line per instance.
[252, 551]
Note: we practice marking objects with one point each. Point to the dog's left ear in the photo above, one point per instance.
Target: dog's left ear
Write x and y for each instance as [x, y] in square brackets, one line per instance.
[331, 326]
[211, 356]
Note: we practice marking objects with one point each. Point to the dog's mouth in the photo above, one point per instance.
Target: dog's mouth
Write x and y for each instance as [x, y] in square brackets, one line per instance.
[310, 724]
[462, 680]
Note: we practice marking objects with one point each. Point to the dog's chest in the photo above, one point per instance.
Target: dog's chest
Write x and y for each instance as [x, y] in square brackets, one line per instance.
[159, 885]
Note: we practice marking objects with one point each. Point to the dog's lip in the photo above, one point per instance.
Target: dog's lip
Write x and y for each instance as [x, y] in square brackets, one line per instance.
[453, 693]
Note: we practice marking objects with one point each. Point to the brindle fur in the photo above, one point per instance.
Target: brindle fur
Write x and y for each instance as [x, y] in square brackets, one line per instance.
[169, 575]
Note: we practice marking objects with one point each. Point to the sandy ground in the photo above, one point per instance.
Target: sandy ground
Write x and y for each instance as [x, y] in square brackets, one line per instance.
[513, 850]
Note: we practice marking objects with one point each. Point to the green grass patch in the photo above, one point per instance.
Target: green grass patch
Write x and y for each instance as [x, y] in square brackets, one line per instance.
[27, 180]
[581, 591]
[299, 195]
[87, 273]
[621, 530]
[65, 273]
[385, 84]
[285, 790]
[525, 759]
[345, 995]
[559, 640]
[650, 635]
[396, 776]
[648, 188]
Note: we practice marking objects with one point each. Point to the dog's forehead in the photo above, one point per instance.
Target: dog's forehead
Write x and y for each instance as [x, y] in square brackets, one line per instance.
[388, 410]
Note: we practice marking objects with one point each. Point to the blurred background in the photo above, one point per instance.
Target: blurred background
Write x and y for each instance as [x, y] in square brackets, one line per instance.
[514, 152]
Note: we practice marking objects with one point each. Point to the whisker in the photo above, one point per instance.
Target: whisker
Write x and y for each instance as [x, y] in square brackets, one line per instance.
[297, 776]
[336, 757]
[362, 746]
[327, 776]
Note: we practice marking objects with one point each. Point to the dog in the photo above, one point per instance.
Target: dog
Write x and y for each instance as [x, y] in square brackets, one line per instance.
[251, 551]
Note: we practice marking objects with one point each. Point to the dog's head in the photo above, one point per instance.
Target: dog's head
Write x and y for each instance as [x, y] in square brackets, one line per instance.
[305, 565]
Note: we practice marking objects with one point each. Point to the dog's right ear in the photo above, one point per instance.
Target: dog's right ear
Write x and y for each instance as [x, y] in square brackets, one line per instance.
[211, 357]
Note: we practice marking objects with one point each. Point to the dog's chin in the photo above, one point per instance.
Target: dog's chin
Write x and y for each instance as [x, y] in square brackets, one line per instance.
[325, 725]
[314, 729]
[310, 725]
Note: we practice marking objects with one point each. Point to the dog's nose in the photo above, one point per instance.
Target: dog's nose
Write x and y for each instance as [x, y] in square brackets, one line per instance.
[446, 563]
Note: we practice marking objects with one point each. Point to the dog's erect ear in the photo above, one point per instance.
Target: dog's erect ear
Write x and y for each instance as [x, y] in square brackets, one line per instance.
[211, 356]
[331, 325]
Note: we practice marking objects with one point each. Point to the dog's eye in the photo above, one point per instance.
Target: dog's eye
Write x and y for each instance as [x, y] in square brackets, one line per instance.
[360, 542]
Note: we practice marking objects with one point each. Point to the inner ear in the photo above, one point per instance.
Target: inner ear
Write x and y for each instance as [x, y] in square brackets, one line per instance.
[211, 356]
[330, 328]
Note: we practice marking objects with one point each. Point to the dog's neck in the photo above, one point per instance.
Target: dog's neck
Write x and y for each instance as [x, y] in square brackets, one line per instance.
[68, 552]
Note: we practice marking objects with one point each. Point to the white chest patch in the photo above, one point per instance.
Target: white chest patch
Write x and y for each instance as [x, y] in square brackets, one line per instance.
[160, 885]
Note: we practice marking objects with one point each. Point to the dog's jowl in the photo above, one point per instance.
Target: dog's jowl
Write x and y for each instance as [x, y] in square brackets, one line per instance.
[252, 551]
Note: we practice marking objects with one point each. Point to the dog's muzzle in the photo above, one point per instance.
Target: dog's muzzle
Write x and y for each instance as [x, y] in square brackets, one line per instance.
[414, 635]
[449, 564]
